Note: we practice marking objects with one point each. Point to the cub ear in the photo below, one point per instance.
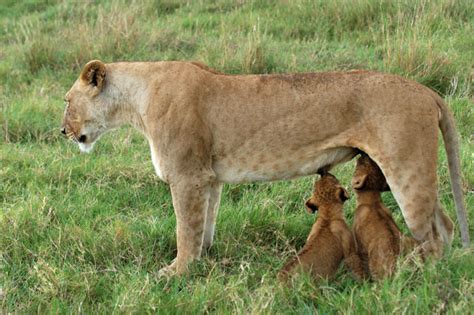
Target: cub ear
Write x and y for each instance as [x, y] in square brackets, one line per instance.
[342, 194]
[311, 206]
[93, 74]
[358, 181]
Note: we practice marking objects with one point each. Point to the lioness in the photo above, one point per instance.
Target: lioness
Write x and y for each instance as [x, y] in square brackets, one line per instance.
[206, 129]
[330, 240]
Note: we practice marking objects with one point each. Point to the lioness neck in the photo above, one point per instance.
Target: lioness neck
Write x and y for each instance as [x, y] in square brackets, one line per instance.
[129, 91]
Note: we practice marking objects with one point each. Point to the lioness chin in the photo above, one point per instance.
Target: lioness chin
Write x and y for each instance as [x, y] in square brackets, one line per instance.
[205, 129]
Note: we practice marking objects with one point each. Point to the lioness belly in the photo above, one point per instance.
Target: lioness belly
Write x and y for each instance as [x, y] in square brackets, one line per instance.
[241, 169]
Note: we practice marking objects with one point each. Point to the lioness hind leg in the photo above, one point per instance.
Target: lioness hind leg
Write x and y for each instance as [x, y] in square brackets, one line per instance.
[209, 228]
[444, 224]
[414, 186]
[409, 162]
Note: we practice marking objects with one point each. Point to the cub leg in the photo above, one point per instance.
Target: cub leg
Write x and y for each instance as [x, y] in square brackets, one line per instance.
[351, 258]
[381, 263]
[407, 244]
[214, 201]
[190, 201]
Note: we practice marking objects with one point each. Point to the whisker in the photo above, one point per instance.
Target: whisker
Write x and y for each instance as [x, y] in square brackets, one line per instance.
[71, 136]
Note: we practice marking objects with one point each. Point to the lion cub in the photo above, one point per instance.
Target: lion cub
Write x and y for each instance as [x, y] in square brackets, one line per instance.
[378, 238]
[330, 240]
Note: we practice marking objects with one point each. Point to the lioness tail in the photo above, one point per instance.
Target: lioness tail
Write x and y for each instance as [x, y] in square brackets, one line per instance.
[451, 144]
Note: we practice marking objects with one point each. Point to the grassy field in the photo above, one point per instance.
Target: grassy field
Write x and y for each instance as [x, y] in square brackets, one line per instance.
[88, 233]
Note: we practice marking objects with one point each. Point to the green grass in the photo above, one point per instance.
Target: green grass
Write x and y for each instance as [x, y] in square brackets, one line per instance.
[88, 233]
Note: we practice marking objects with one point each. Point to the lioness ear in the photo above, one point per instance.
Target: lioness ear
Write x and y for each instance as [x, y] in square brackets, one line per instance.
[358, 181]
[342, 194]
[310, 206]
[93, 74]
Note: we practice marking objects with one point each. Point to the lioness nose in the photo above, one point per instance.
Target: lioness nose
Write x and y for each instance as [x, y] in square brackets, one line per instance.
[63, 130]
[82, 138]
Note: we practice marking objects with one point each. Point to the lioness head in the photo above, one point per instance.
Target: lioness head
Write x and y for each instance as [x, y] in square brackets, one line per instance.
[87, 112]
[368, 176]
[327, 191]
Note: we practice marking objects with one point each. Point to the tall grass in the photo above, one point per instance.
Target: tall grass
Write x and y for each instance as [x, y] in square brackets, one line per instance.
[87, 233]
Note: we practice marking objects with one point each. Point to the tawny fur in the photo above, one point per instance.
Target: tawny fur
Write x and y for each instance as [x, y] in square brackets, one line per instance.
[330, 240]
[205, 129]
[379, 241]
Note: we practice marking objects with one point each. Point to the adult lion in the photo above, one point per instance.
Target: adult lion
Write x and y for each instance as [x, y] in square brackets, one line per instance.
[205, 129]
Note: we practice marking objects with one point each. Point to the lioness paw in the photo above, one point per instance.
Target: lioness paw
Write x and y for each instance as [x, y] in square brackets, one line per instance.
[168, 271]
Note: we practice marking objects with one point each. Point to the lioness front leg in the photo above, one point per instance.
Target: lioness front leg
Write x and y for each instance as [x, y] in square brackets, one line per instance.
[190, 202]
[211, 216]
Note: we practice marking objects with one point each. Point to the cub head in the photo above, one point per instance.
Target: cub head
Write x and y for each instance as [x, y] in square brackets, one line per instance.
[87, 110]
[368, 176]
[327, 190]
